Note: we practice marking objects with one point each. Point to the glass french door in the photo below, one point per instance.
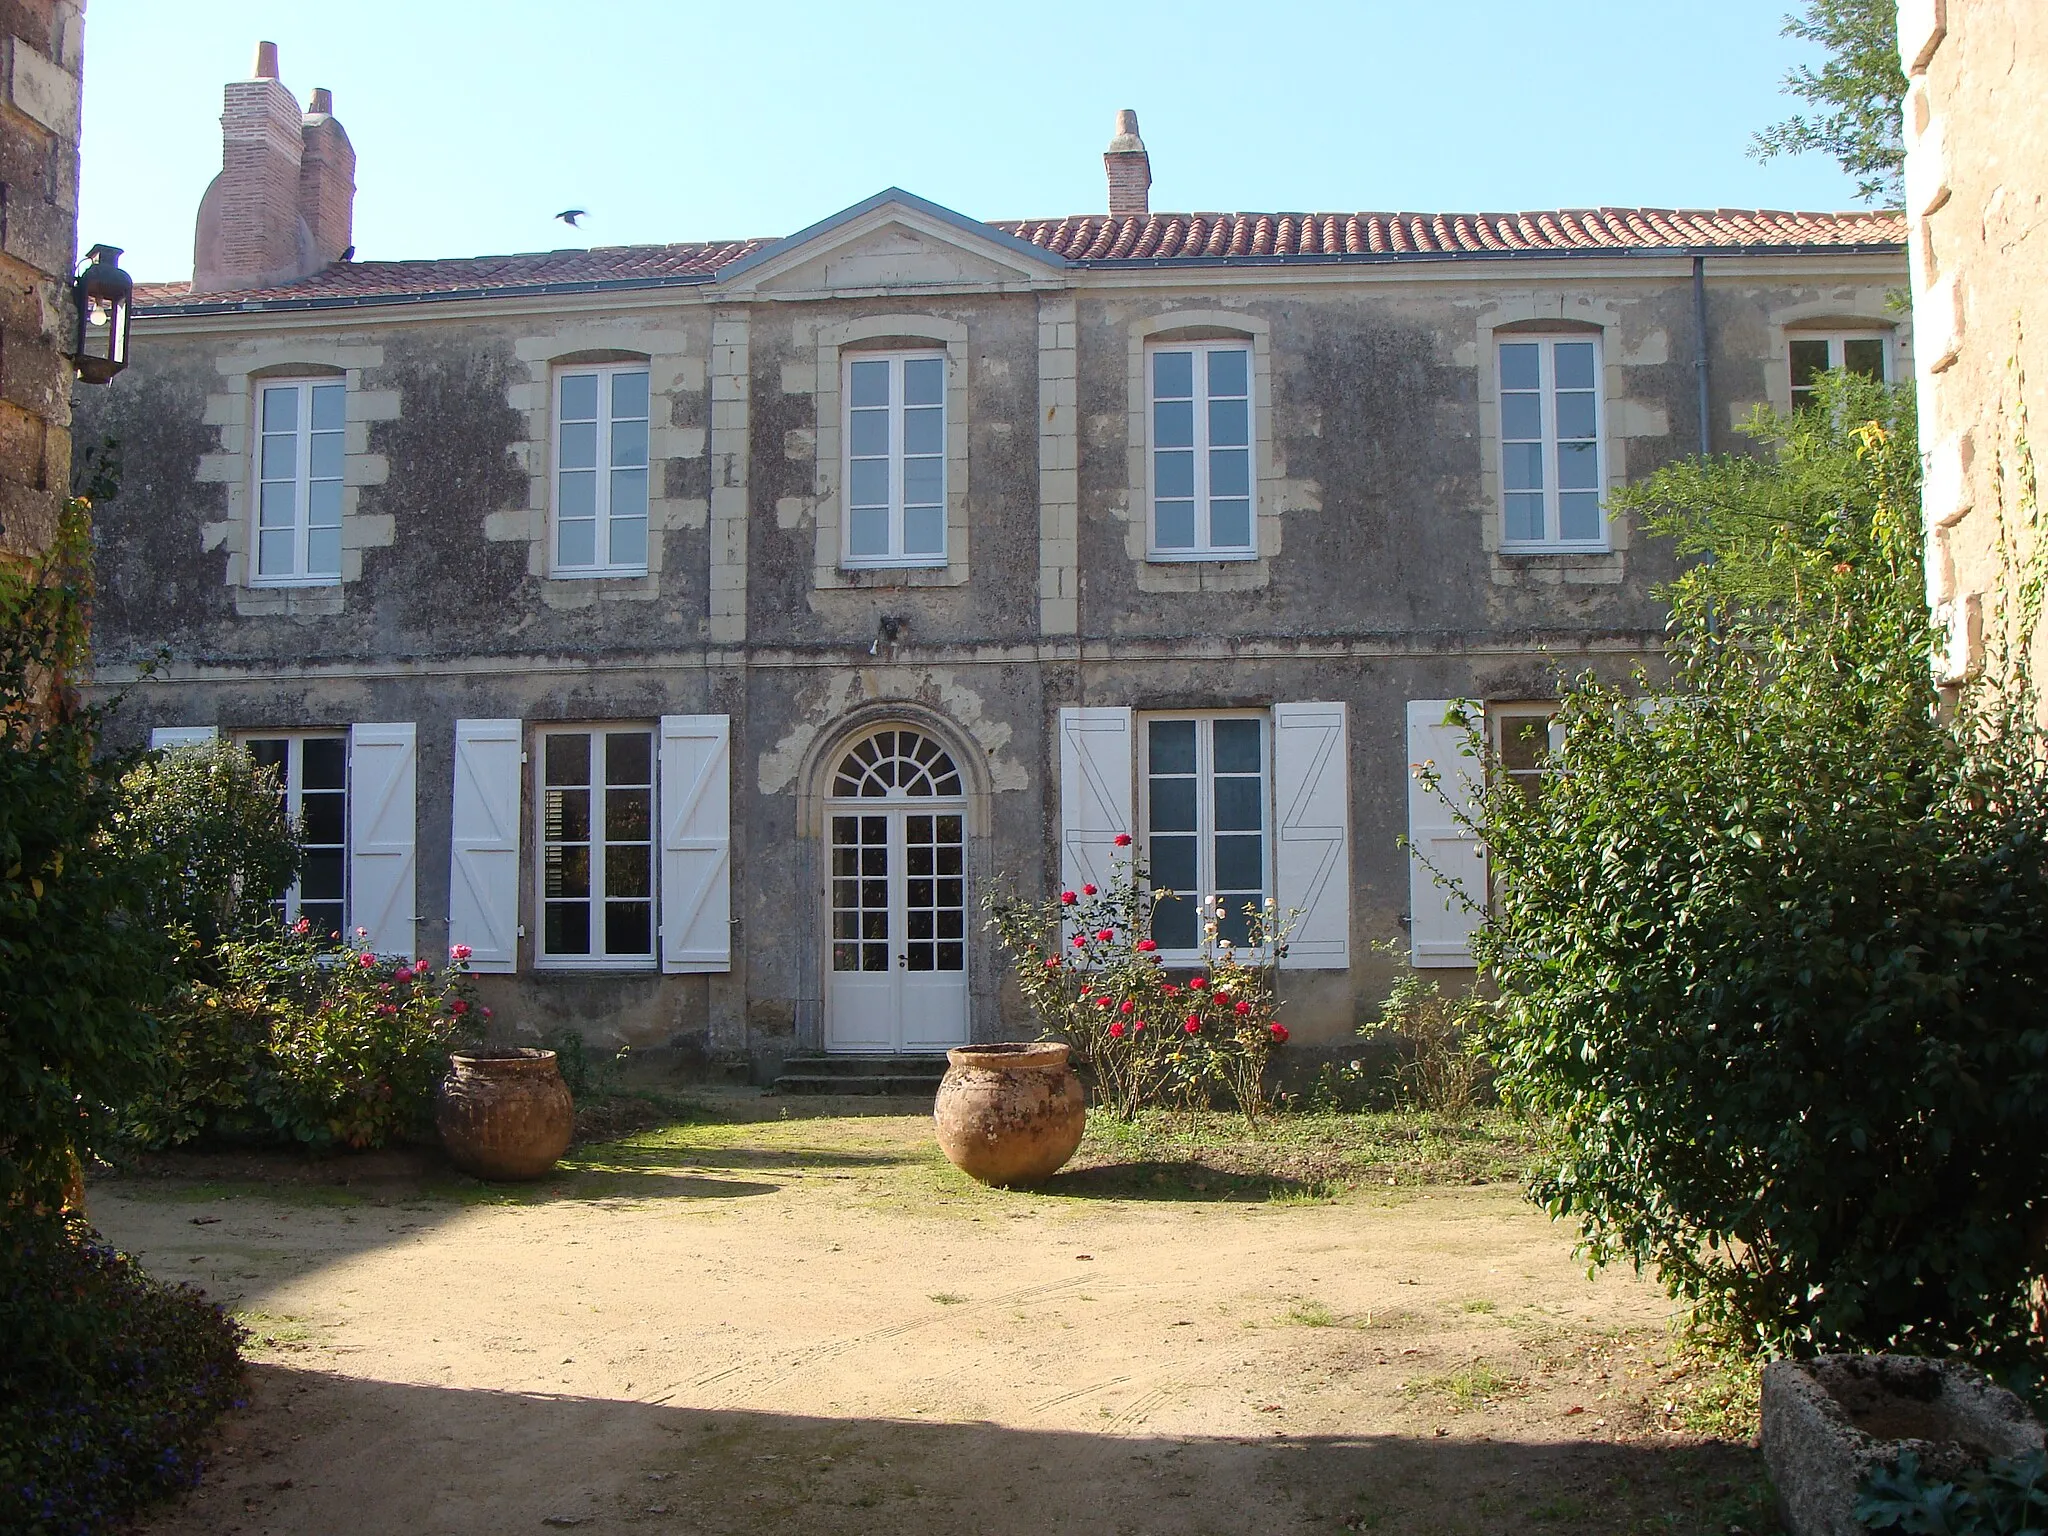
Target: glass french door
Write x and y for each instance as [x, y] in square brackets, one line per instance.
[899, 930]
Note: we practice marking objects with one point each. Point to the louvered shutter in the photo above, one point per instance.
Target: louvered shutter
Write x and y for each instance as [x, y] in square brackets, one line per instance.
[382, 774]
[165, 736]
[696, 843]
[1312, 847]
[483, 844]
[1441, 923]
[1095, 791]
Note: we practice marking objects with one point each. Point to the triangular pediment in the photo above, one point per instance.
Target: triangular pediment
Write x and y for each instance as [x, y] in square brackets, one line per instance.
[894, 242]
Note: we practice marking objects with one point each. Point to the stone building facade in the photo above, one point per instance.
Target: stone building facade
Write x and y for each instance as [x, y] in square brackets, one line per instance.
[40, 74]
[1977, 206]
[699, 632]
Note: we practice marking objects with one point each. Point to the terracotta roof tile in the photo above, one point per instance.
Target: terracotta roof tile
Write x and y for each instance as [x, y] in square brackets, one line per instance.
[1086, 238]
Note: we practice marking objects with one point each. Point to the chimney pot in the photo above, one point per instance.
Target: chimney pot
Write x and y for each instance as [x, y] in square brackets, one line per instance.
[323, 102]
[1129, 169]
[266, 62]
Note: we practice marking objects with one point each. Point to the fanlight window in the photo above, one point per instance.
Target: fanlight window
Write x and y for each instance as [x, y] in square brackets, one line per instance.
[896, 765]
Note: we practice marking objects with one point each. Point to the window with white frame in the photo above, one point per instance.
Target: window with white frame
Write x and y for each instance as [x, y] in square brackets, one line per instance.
[1201, 470]
[596, 842]
[601, 471]
[1813, 354]
[300, 432]
[1524, 737]
[1205, 781]
[312, 776]
[895, 458]
[1551, 457]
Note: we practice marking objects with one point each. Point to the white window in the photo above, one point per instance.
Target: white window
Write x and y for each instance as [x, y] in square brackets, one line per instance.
[596, 844]
[1524, 737]
[1201, 482]
[1813, 354]
[298, 482]
[895, 458]
[1551, 459]
[312, 771]
[601, 471]
[1205, 817]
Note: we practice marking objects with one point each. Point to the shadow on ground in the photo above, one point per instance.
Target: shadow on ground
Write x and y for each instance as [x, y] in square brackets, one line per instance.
[1178, 1179]
[319, 1453]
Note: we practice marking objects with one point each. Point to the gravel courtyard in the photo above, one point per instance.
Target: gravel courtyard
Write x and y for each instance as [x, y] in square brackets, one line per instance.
[813, 1324]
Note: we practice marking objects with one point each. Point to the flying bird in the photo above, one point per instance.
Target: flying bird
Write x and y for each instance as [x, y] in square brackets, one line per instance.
[573, 217]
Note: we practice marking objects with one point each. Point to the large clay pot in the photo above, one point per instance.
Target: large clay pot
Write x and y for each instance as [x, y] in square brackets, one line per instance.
[505, 1114]
[1010, 1114]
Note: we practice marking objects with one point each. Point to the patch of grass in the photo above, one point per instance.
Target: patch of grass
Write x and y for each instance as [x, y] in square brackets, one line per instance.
[1470, 1386]
[1711, 1390]
[1477, 1304]
[1311, 1314]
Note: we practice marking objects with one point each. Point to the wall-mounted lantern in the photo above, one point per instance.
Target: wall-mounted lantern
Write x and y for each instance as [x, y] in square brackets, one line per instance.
[103, 293]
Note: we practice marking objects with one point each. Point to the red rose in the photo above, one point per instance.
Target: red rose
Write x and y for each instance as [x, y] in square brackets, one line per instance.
[1080, 939]
[1102, 1002]
[303, 925]
[1278, 1032]
[1197, 983]
[1052, 962]
[1087, 890]
[1138, 1028]
[1146, 946]
[458, 1007]
[387, 1009]
[1123, 839]
[1244, 1008]
[1068, 898]
[1170, 990]
[1105, 934]
[1128, 1007]
[366, 961]
[1086, 994]
[1116, 1031]
[1193, 1025]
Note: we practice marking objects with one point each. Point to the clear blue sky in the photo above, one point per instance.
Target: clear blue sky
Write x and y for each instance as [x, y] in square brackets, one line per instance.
[474, 121]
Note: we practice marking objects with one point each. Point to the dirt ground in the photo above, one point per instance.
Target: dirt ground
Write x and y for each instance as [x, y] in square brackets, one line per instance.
[814, 1324]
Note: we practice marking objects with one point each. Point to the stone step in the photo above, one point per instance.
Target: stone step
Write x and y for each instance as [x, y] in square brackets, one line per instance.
[922, 1085]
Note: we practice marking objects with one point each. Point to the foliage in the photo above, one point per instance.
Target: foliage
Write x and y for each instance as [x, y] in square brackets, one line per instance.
[1087, 964]
[2007, 1497]
[81, 972]
[586, 1073]
[216, 824]
[324, 1043]
[108, 1380]
[1859, 95]
[1440, 1063]
[1769, 950]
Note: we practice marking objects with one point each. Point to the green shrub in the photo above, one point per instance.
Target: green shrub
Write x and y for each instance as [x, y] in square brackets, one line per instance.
[1438, 1043]
[586, 1073]
[1771, 950]
[108, 1380]
[82, 971]
[2006, 1497]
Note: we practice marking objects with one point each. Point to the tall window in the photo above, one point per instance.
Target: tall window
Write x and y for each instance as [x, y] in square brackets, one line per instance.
[298, 482]
[1202, 451]
[1550, 443]
[312, 773]
[896, 459]
[1813, 355]
[601, 471]
[1205, 823]
[597, 846]
[1524, 738]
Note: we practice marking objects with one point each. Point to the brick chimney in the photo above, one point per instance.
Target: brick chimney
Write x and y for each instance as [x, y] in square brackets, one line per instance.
[1129, 168]
[282, 205]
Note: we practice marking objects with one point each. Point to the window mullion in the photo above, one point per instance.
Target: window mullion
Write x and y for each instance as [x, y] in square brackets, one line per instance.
[302, 480]
[896, 427]
[1553, 460]
[602, 458]
[1204, 538]
[599, 750]
[1205, 820]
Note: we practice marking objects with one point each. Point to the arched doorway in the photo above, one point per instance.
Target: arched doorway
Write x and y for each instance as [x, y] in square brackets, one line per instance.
[896, 897]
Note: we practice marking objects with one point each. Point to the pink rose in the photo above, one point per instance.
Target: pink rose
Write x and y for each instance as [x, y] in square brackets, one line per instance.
[1052, 962]
[367, 961]
[387, 1009]
[486, 1013]
[1128, 1007]
[458, 1007]
[458, 952]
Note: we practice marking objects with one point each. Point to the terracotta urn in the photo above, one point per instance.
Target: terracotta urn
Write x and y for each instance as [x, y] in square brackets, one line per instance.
[505, 1114]
[1010, 1114]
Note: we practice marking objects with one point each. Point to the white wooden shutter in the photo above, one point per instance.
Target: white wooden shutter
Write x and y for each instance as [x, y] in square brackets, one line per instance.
[1441, 923]
[382, 773]
[696, 843]
[1096, 765]
[483, 844]
[164, 736]
[1312, 844]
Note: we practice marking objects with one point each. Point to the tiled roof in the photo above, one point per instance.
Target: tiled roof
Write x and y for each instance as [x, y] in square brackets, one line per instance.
[1088, 239]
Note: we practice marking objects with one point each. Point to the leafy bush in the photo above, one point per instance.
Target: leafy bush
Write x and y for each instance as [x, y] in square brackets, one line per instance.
[108, 1380]
[1438, 1039]
[2007, 1497]
[214, 822]
[82, 971]
[1770, 950]
[584, 1071]
[1087, 964]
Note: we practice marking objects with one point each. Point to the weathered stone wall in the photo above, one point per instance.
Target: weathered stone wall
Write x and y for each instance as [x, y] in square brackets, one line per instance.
[1378, 580]
[1977, 202]
[39, 105]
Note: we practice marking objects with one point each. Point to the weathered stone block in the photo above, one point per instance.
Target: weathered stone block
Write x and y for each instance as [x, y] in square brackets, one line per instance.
[1828, 1423]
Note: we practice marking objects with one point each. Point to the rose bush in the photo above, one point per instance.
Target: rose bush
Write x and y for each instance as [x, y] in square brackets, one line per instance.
[1088, 966]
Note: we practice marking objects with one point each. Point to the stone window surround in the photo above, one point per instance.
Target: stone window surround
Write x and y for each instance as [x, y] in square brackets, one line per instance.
[1863, 312]
[1230, 573]
[1556, 314]
[671, 372]
[880, 333]
[243, 370]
